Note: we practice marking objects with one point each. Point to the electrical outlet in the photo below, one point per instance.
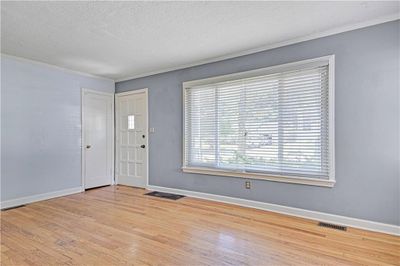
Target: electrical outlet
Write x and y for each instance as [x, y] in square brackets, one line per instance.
[247, 185]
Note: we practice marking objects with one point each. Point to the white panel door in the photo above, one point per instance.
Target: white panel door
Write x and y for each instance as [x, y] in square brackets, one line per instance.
[98, 128]
[131, 141]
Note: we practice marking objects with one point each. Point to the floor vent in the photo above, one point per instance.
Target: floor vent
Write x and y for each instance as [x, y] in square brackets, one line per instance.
[11, 208]
[333, 226]
[164, 195]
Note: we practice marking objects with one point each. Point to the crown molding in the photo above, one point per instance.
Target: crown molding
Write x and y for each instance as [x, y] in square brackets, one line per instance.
[39, 63]
[338, 30]
[334, 31]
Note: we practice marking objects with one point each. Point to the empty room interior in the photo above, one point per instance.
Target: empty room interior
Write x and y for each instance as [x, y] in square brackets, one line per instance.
[200, 133]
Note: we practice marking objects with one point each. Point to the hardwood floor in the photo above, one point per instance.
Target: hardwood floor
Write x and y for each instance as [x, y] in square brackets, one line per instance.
[120, 226]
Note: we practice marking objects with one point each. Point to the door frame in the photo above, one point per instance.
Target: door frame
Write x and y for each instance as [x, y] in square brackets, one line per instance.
[112, 137]
[117, 96]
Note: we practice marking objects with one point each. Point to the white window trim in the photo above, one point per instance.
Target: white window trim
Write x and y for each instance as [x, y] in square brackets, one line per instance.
[315, 62]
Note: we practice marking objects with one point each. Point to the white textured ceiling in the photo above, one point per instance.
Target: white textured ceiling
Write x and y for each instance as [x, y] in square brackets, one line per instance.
[124, 39]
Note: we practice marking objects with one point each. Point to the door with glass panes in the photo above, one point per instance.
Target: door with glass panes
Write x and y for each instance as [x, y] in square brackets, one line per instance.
[131, 138]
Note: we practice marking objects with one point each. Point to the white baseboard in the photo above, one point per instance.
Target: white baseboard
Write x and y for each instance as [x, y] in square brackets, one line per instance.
[39, 197]
[314, 215]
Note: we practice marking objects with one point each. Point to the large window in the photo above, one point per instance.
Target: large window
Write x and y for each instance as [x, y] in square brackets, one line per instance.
[274, 123]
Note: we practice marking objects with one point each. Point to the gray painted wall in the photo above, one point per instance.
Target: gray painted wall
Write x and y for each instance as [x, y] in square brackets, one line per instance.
[41, 127]
[367, 126]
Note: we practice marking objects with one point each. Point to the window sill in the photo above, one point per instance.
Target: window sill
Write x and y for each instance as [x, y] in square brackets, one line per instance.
[284, 179]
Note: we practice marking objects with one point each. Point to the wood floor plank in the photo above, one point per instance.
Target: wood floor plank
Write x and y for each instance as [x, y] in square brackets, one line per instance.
[119, 225]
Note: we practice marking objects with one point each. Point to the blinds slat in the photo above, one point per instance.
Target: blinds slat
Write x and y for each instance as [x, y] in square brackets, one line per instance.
[275, 123]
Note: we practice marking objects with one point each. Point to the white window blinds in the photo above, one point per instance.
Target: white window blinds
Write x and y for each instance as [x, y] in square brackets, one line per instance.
[274, 124]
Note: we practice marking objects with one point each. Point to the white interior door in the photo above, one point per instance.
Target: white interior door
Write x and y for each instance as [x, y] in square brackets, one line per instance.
[132, 138]
[98, 138]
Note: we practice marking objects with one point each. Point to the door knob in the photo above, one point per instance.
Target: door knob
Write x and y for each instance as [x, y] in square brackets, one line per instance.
[88, 146]
[143, 146]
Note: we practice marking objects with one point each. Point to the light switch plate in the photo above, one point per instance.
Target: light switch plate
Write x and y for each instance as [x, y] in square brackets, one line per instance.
[152, 130]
